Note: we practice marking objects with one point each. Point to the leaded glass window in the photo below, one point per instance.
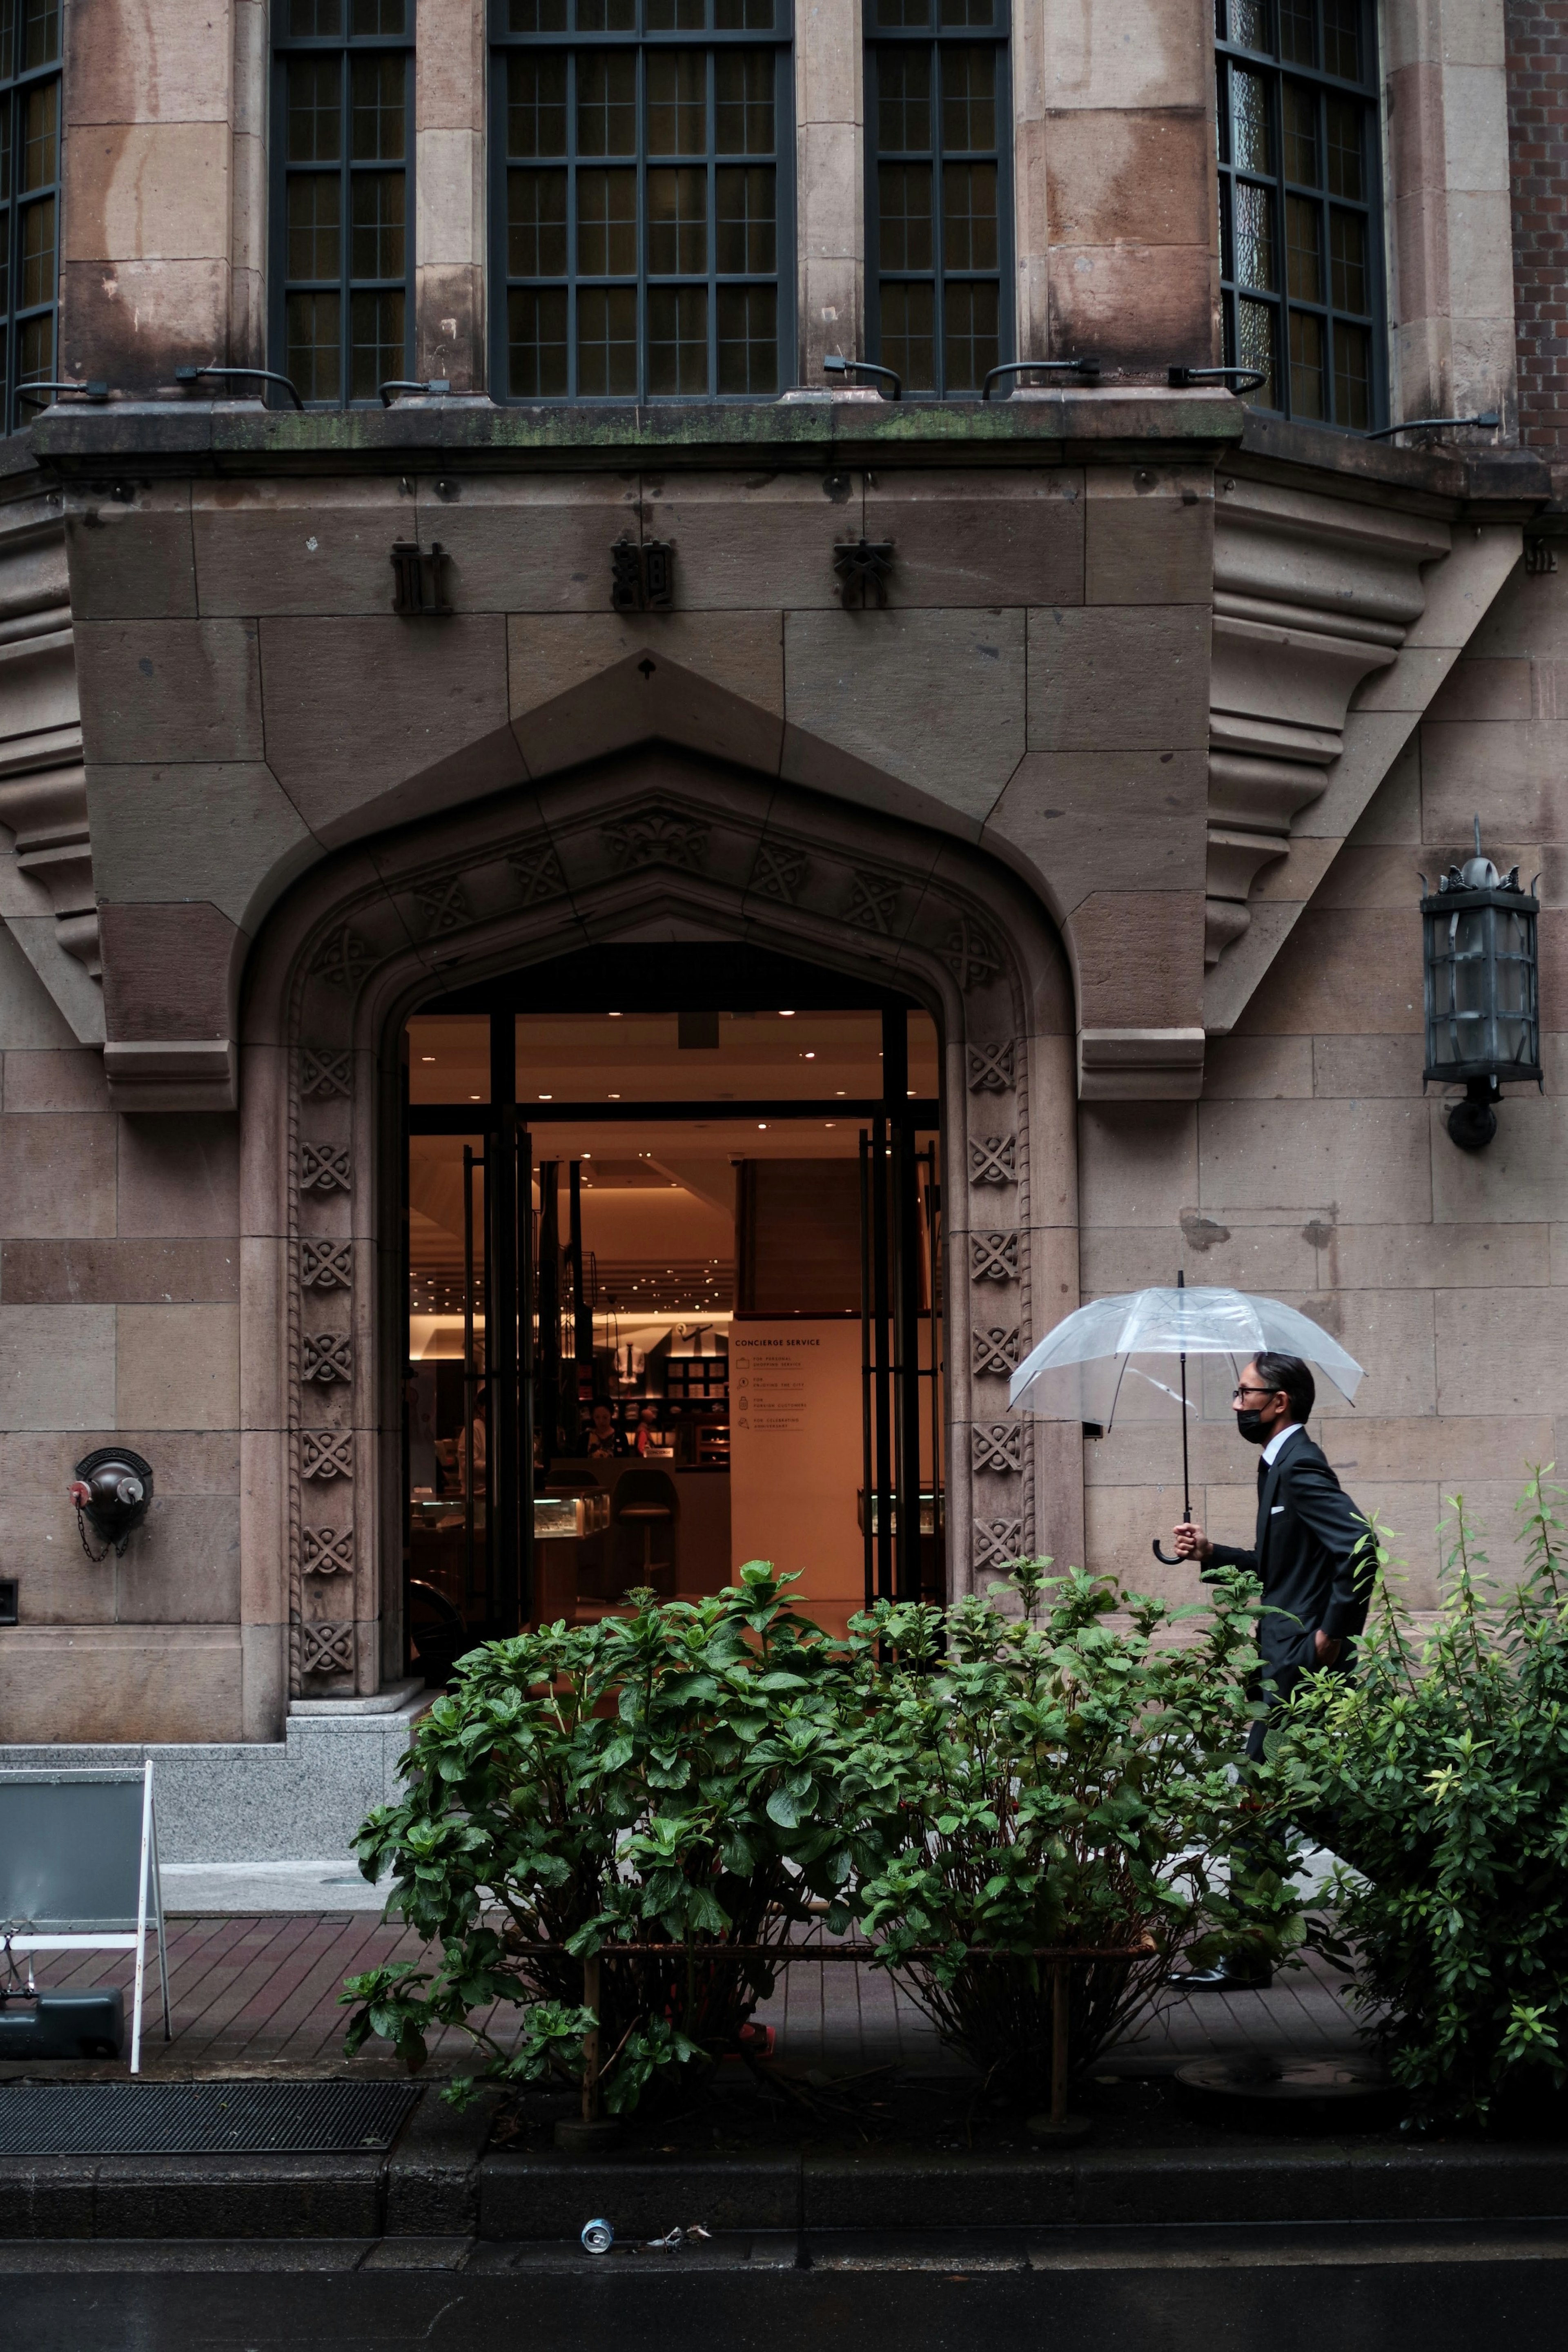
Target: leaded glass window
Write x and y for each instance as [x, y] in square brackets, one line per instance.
[1301, 258]
[343, 236]
[29, 198]
[643, 223]
[939, 114]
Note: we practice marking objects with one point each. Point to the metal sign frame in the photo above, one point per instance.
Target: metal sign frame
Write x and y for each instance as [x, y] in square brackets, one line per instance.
[110, 1934]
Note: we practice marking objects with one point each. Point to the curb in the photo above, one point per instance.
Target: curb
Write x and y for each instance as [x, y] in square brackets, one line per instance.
[436, 2182]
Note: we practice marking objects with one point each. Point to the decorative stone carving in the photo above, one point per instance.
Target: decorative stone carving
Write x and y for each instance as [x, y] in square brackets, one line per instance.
[342, 958]
[997, 1446]
[325, 1074]
[539, 872]
[990, 1068]
[993, 1257]
[443, 907]
[325, 1168]
[779, 873]
[1140, 1065]
[995, 1351]
[1311, 596]
[327, 1454]
[998, 1543]
[661, 837]
[874, 901]
[327, 1357]
[326, 1551]
[326, 1649]
[327, 1265]
[971, 954]
[863, 567]
[43, 783]
[993, 1160]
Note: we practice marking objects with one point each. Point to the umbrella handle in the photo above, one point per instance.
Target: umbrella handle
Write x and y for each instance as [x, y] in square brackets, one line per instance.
[1171, 1558]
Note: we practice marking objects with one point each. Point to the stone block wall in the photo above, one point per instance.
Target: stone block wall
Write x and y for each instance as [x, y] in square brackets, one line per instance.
[119, 1321]
[1313, 1170]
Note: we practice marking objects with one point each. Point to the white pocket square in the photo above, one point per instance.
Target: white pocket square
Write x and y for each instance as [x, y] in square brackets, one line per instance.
[1275, 1509]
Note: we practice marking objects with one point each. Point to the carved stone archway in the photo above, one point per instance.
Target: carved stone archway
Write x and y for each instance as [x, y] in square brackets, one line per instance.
[649, 845]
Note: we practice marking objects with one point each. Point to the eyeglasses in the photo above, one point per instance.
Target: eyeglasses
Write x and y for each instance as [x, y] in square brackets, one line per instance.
[1242, 1390]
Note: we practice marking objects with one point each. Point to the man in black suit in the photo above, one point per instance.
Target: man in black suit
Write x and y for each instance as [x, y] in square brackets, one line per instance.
[1310, 1557]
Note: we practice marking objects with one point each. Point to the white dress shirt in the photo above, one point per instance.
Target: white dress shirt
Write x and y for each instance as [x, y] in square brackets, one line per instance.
[1272, 1448]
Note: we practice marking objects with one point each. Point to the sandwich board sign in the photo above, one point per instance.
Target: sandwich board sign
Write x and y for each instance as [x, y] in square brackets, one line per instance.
[79, 1871]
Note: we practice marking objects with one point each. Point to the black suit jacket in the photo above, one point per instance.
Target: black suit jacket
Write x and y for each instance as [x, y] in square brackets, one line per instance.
[1309, 1557]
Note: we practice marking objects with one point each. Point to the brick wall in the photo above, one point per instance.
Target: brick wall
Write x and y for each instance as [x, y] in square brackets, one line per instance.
[1538, 148]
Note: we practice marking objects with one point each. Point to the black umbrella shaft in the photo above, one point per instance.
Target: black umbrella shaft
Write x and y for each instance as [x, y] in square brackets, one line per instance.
[1185, 1475]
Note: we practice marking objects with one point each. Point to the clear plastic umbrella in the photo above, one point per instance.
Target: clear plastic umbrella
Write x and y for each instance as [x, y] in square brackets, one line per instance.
[1112, 1357]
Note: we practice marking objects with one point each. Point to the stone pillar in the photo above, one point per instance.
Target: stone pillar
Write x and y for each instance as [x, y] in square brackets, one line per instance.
[146, 279]
[1451, 257]
[450, 195]
[831, 182]
[1116, 201]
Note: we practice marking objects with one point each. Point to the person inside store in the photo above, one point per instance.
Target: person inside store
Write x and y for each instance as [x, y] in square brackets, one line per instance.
[648, 1435]
[1310, 1554]
[606, 1440]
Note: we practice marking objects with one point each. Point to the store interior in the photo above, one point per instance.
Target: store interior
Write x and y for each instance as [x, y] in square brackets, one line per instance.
[698, 1241]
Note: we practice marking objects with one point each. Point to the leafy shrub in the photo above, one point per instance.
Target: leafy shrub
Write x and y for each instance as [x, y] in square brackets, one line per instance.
[1440, 1774]
[670, 1778]
[1064, 1781]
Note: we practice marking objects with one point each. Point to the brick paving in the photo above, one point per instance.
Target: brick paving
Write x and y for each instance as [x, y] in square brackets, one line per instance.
[260, 1994]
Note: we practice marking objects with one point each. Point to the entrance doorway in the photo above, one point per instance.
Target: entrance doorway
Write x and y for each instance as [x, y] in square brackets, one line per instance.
[673, 1237]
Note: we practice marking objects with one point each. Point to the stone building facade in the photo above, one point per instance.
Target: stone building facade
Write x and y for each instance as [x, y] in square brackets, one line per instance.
[1124, 761]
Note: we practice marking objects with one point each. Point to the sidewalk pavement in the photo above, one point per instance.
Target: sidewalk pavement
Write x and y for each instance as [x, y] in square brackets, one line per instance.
[259, 1992]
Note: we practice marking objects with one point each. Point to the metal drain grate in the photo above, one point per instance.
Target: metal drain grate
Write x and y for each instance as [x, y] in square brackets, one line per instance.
[199, 2118]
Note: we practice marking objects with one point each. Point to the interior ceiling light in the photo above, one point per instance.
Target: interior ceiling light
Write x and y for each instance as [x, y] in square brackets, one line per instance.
[786, 1016]
[473, 1097]
[546, 1098]
[762, 1127]
[428, 1057]
[618, 1016]
[808, 1057]
[614, 1098]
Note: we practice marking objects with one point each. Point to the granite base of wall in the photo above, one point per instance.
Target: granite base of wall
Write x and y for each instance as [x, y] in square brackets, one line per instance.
[304, 1795]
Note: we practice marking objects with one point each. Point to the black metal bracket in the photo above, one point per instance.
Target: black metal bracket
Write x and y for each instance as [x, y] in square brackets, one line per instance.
[836, 364]
[1472, 1122]
[438, 385]
[419, 578]
[641, 578]
[1489, 420]
[1086, 370]
[863, 563]
[192, 376]
[96, 391]
[1242, 380]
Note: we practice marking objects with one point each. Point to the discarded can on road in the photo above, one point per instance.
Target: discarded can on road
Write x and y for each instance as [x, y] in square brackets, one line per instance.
[598, 2237]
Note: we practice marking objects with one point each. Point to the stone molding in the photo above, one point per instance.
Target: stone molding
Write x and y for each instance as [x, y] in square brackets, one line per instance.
[1312, 597]
[1140, 1065]
[323, 1361]
[1336, 621]
[49, 899]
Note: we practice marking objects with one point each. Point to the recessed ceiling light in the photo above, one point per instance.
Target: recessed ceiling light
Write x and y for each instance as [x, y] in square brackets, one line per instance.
[618, 1016]
[428, 1057]
[546, 1098]
[830, 1122]
[761, 1125]
[911, 1093]
[841, 1092]
[473, 1097]
[614, 1098]
[808, 1057]
[786, 1016]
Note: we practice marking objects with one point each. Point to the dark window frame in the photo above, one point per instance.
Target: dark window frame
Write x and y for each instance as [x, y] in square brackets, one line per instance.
[711, 39]
[346, 45]
[1275, 71]
[18, 81]
[937, 36]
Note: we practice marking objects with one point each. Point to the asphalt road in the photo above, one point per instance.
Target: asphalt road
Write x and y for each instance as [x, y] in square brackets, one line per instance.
[1331, 2291]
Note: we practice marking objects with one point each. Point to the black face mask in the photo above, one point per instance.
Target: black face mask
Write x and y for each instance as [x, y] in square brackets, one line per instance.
[1250, 1425]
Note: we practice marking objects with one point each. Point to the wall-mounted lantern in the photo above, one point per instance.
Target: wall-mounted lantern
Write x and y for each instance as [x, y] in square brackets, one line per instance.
[1482, 975]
